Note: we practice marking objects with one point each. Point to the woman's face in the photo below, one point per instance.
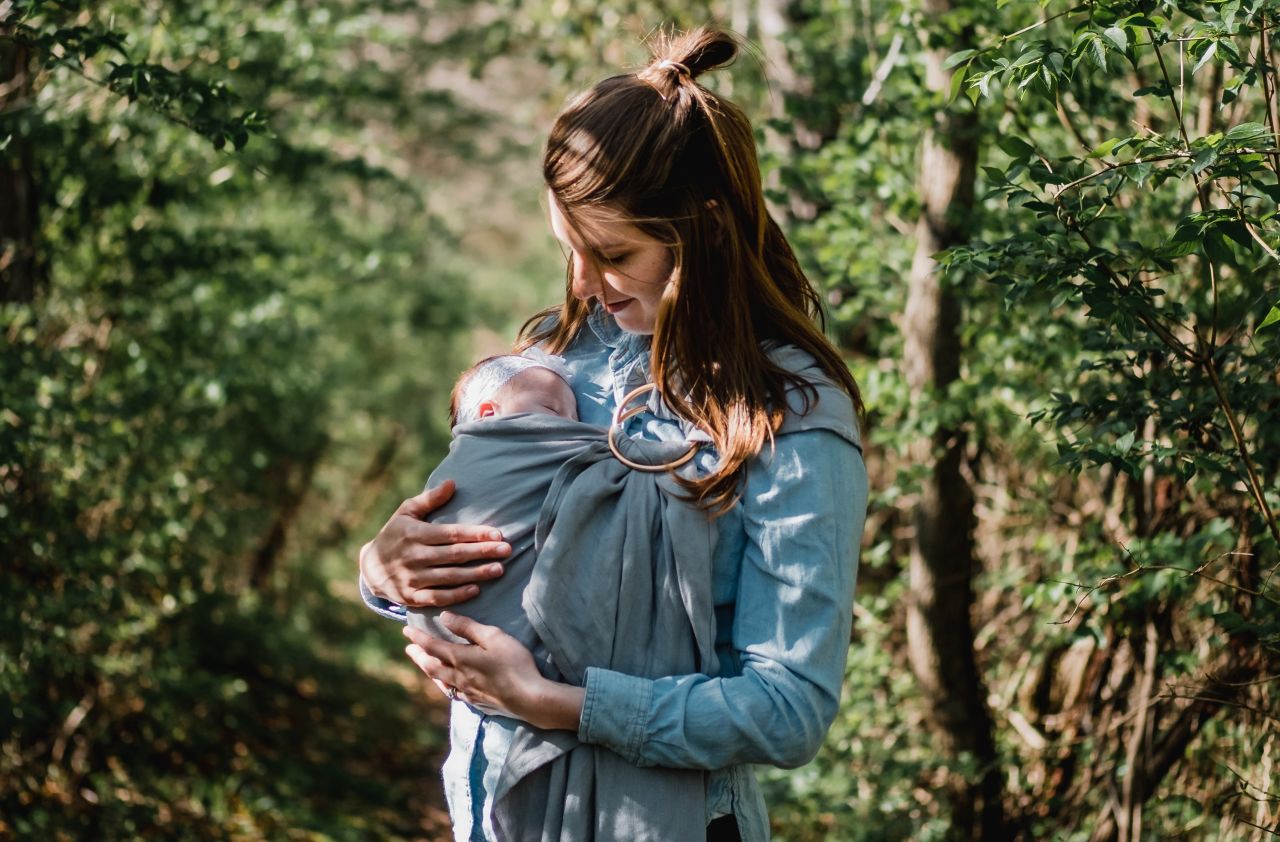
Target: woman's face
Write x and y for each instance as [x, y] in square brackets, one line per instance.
[633, 268]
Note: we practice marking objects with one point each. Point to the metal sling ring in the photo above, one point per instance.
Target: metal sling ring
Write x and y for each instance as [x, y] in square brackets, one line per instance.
[621, 415]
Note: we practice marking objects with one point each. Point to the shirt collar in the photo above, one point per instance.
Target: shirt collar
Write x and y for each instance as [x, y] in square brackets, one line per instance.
[607, 331]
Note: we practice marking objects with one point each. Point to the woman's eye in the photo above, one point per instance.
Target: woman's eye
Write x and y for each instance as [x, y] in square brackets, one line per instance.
[617, 258]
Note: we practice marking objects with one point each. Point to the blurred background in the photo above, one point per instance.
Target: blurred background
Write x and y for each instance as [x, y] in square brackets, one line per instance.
[245, 248]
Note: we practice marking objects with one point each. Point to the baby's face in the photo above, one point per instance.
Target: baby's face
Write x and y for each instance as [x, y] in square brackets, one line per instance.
[536, 390]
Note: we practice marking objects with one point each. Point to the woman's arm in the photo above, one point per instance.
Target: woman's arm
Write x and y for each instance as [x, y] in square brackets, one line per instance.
[411, 562]
[803, 507]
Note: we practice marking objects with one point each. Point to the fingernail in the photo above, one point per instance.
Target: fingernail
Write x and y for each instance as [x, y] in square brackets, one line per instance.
[495, 535]
[446, 616]
[404, 630]
[472, 590]
[503, 549]
[494, 569]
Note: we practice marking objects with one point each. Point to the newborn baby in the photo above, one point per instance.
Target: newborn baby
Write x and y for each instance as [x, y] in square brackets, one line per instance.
[487, 440]
[507, 384]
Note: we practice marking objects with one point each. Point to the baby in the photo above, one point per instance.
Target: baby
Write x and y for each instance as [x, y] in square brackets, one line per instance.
[510, 383]
[481, 458]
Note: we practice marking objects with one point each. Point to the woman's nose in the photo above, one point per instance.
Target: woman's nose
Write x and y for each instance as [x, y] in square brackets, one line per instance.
[586, 280]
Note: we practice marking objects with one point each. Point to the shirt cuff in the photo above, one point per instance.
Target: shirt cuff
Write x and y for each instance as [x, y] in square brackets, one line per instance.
[385, 607]
[615, 711]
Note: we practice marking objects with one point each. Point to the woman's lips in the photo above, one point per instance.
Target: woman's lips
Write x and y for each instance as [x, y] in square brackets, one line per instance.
[613, 307]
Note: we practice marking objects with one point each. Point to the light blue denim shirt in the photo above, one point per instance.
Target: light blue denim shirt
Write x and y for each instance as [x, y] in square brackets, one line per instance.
[783, 581]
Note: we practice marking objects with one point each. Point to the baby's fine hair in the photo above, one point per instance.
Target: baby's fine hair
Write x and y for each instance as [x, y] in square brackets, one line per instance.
[482, 381]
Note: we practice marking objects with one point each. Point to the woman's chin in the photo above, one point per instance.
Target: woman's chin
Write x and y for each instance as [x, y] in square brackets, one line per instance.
[632, 323]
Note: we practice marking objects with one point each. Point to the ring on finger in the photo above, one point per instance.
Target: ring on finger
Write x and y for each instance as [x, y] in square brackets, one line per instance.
[452, 693]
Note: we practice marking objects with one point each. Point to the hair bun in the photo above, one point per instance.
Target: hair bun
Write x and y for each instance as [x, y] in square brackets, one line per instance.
[693, 52]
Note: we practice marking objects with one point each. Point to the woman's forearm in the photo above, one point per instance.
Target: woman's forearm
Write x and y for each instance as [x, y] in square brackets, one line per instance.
[553, 706]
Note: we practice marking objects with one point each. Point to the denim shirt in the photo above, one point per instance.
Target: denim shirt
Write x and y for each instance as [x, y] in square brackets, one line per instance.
[783, 580]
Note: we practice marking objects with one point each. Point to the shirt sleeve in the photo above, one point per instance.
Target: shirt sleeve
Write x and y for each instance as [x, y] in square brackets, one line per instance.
[804, 505]
[385, 607]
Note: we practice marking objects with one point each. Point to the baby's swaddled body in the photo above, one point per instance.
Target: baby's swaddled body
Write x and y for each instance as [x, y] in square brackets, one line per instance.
[503, 468]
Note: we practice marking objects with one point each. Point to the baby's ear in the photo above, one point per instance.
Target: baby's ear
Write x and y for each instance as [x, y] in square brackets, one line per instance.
[486, 409]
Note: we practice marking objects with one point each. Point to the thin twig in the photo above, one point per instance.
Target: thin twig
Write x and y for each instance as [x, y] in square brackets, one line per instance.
[886, 67]
[1004, 39]
[1109, 167]
[1239, 203]
[1267, 679]
[1210, 365]
[1267, 795]
[1201, 192]
[1266, 714]
[1268, 89]
[1270, 830]
[1213, 321]
[1140, 567]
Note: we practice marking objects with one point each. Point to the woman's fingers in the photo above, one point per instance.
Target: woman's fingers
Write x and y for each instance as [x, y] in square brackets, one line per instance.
[428, 501]
[435, 669]
[445, 534]
[468, 629]
[440, 597]
[452, 533]
[450, 576]
[436, 649]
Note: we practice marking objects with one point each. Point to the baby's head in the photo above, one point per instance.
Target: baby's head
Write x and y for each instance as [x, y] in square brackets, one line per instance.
[511, 383]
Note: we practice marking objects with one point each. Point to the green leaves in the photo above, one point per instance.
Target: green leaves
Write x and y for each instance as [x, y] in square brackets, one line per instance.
[208, 108]
[1271, 318]
[956, 59]
[211, 328]
[1247, 134]
[1116, 37]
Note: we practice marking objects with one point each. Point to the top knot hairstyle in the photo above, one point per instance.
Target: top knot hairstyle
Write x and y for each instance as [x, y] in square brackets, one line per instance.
[677, 161]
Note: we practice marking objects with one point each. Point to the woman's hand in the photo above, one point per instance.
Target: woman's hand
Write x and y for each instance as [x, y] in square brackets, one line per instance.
[495, 672]
[415, 563]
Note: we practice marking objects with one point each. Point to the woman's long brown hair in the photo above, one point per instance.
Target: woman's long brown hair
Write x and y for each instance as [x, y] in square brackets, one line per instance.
[665, 154]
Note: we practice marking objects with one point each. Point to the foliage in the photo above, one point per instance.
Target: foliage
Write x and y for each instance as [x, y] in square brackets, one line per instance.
[249, 250]
[1118, 379]
[235, 252]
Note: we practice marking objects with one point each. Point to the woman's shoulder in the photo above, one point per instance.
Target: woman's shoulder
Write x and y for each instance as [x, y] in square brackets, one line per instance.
[820, 404]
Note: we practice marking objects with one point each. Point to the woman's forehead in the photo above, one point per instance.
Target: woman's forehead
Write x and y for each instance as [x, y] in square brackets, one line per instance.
[599, 228]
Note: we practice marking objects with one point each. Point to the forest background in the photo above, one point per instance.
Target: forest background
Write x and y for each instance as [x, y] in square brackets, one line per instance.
[243, 251]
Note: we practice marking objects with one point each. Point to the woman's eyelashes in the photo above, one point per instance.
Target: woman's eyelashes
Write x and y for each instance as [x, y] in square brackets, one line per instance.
[614, 260]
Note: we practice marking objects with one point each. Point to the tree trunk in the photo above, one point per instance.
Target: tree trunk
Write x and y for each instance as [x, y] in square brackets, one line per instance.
[297, 483]
[21, 272]
[775, 18]
[942, 566]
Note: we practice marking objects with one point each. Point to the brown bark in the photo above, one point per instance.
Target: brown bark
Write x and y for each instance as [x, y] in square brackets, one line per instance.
[356, 508]
[942, 565]
[1166, 749]
[21, 271]
[775, 18]
[294, 492]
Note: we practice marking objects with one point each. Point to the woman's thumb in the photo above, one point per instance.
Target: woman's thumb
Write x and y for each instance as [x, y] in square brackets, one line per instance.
[428, 501]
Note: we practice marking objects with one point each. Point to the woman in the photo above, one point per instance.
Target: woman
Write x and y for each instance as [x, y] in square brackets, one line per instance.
[679, 277]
